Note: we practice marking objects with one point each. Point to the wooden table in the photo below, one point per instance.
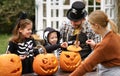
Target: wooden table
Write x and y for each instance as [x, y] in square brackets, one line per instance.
[62, 73]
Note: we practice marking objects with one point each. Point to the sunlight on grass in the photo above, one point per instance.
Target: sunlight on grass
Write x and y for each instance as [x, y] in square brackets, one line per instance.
[3, 43]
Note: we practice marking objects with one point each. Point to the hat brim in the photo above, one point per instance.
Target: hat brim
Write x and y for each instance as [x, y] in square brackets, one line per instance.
[74, 19]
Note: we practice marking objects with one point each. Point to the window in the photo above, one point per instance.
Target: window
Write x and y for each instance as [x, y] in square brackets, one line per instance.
[92, 5]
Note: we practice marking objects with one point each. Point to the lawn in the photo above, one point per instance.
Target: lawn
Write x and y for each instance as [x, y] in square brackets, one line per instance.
[3, 43]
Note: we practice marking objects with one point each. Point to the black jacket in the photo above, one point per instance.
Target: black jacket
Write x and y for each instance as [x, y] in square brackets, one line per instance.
[50, 48]
[86, 49]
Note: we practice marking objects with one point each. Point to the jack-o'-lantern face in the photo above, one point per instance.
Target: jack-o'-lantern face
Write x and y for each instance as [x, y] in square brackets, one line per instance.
[45, 64]
[10, 65]
[69, 60]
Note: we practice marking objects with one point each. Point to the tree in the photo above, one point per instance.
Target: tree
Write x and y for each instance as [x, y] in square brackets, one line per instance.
[10, 10]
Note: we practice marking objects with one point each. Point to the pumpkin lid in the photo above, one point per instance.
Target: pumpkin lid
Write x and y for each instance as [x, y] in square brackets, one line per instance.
[73, 48]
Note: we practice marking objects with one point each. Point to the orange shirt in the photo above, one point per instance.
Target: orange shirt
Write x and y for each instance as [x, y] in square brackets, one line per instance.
[107, 52]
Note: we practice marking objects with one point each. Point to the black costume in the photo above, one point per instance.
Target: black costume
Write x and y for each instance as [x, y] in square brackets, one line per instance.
[24, 48]
[86, 49]
[51, 48]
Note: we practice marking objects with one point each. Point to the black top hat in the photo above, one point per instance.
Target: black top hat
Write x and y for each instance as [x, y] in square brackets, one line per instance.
[77, 11]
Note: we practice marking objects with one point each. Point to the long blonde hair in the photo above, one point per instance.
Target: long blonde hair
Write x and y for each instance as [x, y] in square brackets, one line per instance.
[99, 17]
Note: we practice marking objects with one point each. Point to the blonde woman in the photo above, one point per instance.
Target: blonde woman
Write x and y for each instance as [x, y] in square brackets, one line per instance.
[107, 52]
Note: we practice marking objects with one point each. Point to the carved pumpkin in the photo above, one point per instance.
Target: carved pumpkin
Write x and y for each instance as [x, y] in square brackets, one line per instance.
[10, 65]
[45, 64]
[69, 60]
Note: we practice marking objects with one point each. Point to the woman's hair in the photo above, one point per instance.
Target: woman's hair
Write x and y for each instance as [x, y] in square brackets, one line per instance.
[99, 17]
[17, 36]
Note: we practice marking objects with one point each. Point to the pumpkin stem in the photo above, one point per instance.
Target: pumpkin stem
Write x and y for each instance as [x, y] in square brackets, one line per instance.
[40, 46]
[77, 37]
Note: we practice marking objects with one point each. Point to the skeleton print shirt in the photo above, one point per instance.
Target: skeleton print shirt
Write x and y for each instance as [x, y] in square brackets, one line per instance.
[24, 48]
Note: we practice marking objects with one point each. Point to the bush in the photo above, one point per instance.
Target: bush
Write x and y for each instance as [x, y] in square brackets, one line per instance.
[3, 43]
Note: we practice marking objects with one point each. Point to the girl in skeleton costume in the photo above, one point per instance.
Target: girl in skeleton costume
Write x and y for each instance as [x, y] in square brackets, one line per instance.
[22, 44]
[52, 41]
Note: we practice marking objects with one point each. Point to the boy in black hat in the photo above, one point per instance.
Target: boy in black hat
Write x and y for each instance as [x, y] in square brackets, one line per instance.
[78, 25]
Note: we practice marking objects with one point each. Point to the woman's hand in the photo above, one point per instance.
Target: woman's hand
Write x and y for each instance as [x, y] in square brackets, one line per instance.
[91, 43]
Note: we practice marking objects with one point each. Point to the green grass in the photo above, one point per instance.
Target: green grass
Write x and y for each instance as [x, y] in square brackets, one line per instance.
[3, 43]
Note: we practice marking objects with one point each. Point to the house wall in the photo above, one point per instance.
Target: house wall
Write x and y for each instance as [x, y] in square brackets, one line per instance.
[43, 21]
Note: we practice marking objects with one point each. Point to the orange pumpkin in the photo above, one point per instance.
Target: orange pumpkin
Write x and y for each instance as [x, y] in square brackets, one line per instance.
[45, 64]
[10, 65]
[69, 60]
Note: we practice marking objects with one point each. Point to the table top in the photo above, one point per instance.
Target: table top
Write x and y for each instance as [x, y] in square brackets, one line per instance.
[58, 73]
[63, 73]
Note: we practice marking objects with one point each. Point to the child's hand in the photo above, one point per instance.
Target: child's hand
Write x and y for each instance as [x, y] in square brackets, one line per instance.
[91, 43]
[22, 57]
[64, 45]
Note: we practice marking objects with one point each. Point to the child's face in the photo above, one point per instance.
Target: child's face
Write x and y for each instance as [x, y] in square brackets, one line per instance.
[26, 32]
[53, 38]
